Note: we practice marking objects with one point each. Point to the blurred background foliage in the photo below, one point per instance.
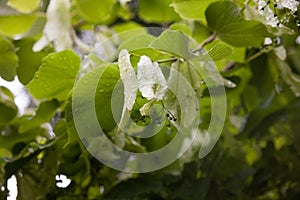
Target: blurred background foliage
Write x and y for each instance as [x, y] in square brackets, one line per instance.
[255, 45]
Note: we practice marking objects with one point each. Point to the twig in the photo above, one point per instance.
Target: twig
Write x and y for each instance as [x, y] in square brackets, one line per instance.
[79, 24]
[167, 60]
[243, 8]
[206, 42]
[250, 59]
[254, 56]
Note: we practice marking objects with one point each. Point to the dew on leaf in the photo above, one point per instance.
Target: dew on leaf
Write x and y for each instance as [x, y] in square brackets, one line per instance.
[101, 91]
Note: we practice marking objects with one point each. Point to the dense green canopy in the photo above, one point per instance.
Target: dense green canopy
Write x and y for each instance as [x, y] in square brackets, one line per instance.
[211, 109]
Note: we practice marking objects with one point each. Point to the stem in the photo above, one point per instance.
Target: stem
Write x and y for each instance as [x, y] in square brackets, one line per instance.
[254, 56]
[243, 8]
[250, 59]
[79, 24]
[123, 121]
[167, 60]
[228, 66]
[206, 42]
[84, 47]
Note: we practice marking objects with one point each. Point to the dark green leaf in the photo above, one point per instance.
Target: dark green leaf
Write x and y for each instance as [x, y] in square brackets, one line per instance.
[43, 114]
[225, 18]
[29, 61]
[8, 59]
[8, 108]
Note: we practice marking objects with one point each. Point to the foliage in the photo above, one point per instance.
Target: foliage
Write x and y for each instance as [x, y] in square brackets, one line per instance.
[255, 45]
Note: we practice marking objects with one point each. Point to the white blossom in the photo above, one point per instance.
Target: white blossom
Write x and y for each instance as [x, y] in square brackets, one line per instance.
[58, 26]
[268, 41]
[290, 4]
[269, 15]
[298, 40]
[280, 52]
[128, 77]
[151, 81]
[124, 2]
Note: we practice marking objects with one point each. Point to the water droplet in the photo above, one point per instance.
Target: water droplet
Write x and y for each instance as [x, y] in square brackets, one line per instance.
[169, 131]
[30, 149]
[101, 91]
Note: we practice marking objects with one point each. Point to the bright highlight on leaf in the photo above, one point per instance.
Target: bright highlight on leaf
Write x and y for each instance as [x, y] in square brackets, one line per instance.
[128, 77]
[24, 6]
[58, 26]
[151, 81]
[95, 11]
[56, 76]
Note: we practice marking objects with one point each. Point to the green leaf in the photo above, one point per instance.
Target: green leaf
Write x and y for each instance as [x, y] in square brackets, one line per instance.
[56, 76]
[103, 97]
[128, 30]
[13, 140]
[184, 28]
[157, 11]
[225, 18]
[36, 29]
[139, 45]
[8, 59]
[173, 42]
[43, 114]
[137, 42]
[26, 187]
[245, 33]
[219, 51]
[24, 6]
[8, 108]
[29, 61]
[69, 124]
[38, 173]
[21, 24]
[94, 11]
[143, 185]
[194, 9]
